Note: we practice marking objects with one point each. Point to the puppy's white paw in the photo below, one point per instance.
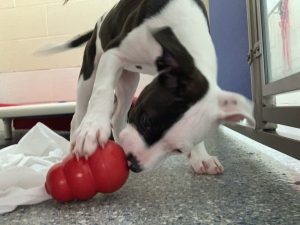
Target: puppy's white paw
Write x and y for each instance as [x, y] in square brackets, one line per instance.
[210, 165]
[93, 131]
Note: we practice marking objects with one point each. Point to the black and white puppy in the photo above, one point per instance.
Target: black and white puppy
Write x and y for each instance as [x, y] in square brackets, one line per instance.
[174, 113]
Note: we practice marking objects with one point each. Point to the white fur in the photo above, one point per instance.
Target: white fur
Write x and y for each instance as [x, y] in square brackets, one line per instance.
[148, 157]
[91, 122]
[202, 162]
[52, 49]
[94, 128]
[196, 124]
[189, 24]
[124, 92]
[188, 134]
[84, 92]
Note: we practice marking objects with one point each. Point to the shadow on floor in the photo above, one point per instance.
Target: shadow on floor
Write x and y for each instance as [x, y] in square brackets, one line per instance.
[249, 192]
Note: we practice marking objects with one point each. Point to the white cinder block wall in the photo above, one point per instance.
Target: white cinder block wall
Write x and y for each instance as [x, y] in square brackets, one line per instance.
[27, 25]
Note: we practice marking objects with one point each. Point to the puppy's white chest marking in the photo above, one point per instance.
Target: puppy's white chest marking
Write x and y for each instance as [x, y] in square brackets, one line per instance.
[141, 50]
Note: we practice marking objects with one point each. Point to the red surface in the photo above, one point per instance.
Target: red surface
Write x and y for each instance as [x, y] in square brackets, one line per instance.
[109, 167]
[59, 122]
[79, 178]
[6, 105]
[105, 171]
[61, 189]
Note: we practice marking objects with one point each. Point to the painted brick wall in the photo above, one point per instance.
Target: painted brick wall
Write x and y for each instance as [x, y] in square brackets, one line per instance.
[27, 25]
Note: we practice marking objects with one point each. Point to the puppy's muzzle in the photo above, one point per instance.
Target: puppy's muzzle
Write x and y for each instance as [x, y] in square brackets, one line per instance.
[133, 163]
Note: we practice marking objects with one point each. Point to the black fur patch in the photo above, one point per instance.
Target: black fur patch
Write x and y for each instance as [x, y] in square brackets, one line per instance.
[174, 51]
[124, 17]
[152, 7]
[121, 19]
[164, 101]
[87, 67]
[81, 39]
[134, 167]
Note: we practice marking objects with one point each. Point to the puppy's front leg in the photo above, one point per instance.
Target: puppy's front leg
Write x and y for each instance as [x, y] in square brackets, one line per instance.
[124, 92]
[203, 163]
[95, 127]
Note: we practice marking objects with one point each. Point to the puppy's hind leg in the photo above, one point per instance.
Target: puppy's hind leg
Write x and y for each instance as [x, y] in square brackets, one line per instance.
[124, 92]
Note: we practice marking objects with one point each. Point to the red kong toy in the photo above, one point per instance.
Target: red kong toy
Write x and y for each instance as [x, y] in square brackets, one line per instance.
[105, 171]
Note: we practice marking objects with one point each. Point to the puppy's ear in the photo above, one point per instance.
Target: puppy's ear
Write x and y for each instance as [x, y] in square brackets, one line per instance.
[169, 81]
[166, 62]
[175, 55]
[234, 108]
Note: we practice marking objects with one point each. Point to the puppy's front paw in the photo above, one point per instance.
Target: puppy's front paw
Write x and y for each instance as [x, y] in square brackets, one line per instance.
[93, 131]
[210, 165]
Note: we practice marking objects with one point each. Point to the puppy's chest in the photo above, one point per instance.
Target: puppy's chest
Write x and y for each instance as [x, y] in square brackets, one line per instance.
[140, 51]
[142, 68]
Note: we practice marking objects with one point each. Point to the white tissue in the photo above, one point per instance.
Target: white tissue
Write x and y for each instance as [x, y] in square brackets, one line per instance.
[24, 166]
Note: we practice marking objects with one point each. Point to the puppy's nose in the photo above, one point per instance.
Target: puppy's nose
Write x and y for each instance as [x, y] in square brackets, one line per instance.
[133, 163]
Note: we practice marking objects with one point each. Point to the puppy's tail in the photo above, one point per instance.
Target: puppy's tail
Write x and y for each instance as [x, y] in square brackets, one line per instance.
[76, 42]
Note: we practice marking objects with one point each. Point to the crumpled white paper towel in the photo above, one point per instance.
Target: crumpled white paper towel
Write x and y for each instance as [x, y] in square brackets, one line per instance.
[24, 166]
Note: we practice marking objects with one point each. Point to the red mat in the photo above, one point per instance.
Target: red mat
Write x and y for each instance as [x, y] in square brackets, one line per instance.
[57, 122]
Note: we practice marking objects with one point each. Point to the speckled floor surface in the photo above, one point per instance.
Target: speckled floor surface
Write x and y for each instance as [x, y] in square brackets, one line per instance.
[253, 190]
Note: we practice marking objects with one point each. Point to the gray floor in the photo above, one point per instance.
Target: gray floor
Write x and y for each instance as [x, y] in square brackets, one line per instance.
[249, 192]
[17, 136]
